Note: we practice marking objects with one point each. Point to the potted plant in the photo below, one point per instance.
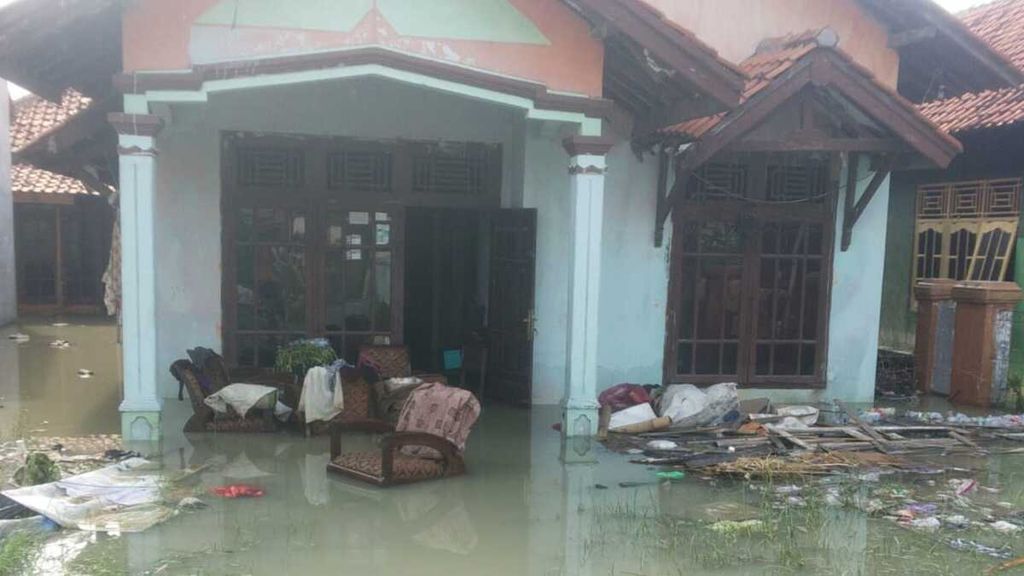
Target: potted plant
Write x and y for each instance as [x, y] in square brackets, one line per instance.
[299, 356]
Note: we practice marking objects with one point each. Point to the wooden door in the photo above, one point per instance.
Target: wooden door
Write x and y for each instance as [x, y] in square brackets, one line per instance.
[510, 311]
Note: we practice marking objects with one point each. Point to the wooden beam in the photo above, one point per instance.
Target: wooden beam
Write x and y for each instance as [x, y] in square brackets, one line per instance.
[853, 214]
[908, 37]
[852, 164]
[661, 207]
[816, 141]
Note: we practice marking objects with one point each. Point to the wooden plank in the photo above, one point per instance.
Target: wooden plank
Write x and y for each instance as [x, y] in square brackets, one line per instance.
[792, 439]
[879, 442]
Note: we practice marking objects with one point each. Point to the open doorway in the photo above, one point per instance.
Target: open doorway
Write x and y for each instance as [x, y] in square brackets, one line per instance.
[469, 282]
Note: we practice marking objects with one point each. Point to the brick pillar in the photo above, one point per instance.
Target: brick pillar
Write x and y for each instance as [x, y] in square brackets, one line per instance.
[981, 345]
[933, 347]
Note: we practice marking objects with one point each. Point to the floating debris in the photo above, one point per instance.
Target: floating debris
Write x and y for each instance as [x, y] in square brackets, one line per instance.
[19, 337]
[1003, 552]
[85, 373]
[60, 324]
[733, 527]
[60, 344]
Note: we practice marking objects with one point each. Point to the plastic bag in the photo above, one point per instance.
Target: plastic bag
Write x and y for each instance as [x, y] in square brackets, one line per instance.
[691, 407]
[622, 396]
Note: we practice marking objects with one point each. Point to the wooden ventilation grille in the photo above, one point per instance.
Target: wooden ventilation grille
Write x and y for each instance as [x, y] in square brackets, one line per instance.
[966, 230]
[719, 180]
[270, 167]
[798, 182]
[441, 169]
[360, 171]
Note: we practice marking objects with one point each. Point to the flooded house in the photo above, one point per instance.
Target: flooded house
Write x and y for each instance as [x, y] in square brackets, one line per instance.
[962, 223]
[608, 191]
[62, 223]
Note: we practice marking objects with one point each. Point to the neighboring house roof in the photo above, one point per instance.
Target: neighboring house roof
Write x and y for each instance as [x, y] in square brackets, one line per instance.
[989, 109]
[28, 179]
[35, 117]
[939, 52]
[782, 67]
[1001, 24]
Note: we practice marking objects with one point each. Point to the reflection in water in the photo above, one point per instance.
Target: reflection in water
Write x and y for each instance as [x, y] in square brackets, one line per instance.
[529, 505]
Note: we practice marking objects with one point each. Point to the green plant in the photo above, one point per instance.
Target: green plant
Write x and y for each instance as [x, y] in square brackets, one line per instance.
[16, 553]
[1015, 390]
[299, 356]
[38, 469]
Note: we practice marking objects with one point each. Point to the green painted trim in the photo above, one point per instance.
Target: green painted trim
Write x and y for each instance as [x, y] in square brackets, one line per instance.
[322, 15]
[589, 126]
[480, 20]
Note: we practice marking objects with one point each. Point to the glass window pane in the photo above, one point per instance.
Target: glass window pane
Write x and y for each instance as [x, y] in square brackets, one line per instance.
[708, 359]
[684, 358]
[382, 284]
[246, 294]
[357, 284]
[280, 288]
[269, 225]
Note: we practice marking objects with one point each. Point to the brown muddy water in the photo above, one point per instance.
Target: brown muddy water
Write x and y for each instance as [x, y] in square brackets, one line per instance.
[521, 510]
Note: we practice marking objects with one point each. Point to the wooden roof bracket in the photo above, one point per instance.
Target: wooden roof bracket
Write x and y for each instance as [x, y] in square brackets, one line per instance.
[854, 208]
[661, 206]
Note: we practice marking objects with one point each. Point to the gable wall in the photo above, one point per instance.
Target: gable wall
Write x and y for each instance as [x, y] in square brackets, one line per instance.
[735, 27]
[538, 40]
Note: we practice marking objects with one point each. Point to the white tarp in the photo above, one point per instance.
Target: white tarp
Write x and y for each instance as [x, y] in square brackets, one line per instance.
[124, 497]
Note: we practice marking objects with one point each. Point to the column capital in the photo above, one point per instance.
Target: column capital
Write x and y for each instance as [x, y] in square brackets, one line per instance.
[588, 145]
[135, 124]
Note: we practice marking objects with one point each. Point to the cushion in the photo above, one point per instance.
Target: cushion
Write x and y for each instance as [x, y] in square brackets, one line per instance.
[356, 392]
[404, 468]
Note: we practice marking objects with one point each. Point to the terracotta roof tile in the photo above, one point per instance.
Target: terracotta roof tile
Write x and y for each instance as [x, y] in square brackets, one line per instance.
[772, 59]
[35, 117]
[989, 109]
[1001, 24]
[28, 179]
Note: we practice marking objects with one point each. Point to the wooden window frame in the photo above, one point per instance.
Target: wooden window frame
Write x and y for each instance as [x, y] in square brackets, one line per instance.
[977, 206]
[313, 193]
[691, 209]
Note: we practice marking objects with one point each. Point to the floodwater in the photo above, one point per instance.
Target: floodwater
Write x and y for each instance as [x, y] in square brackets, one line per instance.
[529, 505]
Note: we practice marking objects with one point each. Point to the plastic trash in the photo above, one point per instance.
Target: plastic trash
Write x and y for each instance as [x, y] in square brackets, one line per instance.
[733, 527]
[191, 503]
[84, 373]
[956, 521]
[662, 445]
[671, 475]
[19, 337]
[1004, 552]
[962, 487]
[1005, 527]
[233, 491]
[691, 407]
[797, 417]
[929, 524]
[622, 396]
[634, 415]
[60, 344]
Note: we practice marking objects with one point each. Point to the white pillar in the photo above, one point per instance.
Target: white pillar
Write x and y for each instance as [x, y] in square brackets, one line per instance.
[586, 174]
[140, 409]
[8, 286]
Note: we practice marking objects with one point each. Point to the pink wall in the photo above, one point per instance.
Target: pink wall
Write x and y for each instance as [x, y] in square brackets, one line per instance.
[735, 27]
[160, 35]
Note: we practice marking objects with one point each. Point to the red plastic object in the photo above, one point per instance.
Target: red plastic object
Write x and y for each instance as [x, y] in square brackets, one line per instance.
[622, 396]
[237, 491]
